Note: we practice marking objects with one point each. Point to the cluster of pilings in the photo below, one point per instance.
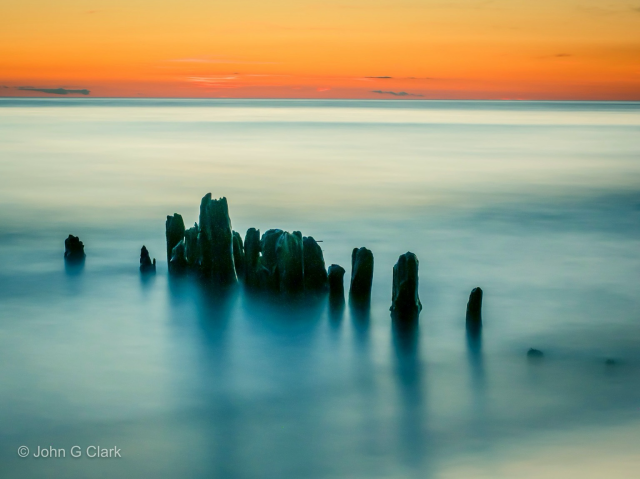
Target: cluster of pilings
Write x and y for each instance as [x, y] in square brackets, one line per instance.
[278, 261]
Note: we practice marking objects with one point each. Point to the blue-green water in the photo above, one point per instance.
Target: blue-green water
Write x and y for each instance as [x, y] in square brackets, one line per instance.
[537, 203]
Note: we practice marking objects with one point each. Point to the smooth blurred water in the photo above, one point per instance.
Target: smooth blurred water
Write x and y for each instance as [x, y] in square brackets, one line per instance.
[537, 203]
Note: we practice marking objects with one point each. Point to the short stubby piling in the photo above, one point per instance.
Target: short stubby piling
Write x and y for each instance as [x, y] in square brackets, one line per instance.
[146, 265]
[74, 249]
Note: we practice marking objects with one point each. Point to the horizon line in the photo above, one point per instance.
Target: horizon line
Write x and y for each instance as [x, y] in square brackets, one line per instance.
[88, 98]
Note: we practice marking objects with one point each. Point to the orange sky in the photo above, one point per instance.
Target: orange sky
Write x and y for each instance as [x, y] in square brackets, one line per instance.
[482, 49]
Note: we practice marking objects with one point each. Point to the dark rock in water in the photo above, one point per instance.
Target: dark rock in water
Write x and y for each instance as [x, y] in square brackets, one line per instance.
[73, 249]
[290, 262]
[405, 302]
[174, 234]
[191, 248]
[336, 281]
[146, 265]
[238, 254]
[315, 274]
[361, 275]
[216, 241]
[534, 353]
[474, 309]
[255, 275]
[610, 362]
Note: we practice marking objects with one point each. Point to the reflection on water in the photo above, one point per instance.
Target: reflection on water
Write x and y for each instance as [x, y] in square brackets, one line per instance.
[336, 307]
[538, 203]
[413, 425]
[474, 352]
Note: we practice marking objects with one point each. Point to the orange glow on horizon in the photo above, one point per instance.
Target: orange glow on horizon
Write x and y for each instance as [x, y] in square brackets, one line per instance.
[403, 49]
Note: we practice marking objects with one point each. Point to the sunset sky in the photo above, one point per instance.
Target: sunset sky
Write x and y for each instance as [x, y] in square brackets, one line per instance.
[382, 49]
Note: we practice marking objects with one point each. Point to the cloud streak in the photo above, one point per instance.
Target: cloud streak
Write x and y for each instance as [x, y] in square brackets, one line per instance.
[398, 78]
[55, 91]
[224, 61]
[395, 93]
[557, 55]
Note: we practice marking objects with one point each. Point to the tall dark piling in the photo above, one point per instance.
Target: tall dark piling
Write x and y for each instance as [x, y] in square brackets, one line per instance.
[216, 241]
[191, 247]
[174, 233]
[290, 262]
[361, 276]
[238, 254]
[474, 310]
[335, 278]
[255, 273]
[315, 274]
[405, 301]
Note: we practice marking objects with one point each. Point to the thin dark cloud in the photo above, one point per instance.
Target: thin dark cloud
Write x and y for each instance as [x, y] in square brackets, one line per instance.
[228, 61]
[55, 91]
[385, 77]
[395, 93]
[610, 9]
[556, 55]
[400, 78]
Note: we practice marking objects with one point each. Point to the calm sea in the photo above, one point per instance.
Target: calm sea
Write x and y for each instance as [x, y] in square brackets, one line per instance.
[537, 203]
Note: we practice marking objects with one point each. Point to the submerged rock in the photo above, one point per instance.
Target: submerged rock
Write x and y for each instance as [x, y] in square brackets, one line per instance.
[74, 249]
[290, 262]
[474, 309]
[405, 302]
[534, 353]
[238, 254]
[361, 275]
[315, 274]
[174, 233]
[146, 265]
[336, 281]
[216, 241]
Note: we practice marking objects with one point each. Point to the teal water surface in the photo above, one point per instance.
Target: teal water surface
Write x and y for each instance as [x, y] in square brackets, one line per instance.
[536, 202]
